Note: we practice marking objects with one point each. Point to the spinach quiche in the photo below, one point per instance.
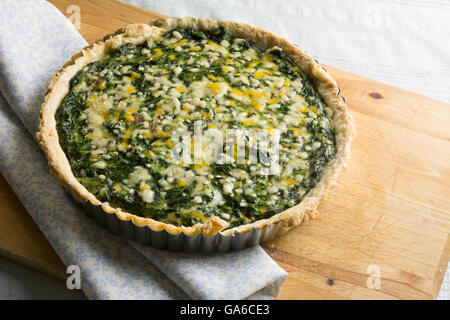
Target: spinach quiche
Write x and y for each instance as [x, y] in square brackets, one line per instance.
[111, 114]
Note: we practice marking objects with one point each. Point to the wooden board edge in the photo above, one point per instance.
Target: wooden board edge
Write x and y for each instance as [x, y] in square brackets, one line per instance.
[34, 265]
[398, 91]
[442, 268]
[38, 254]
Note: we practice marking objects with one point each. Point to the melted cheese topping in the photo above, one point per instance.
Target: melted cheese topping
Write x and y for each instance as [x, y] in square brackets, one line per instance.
[118, 121]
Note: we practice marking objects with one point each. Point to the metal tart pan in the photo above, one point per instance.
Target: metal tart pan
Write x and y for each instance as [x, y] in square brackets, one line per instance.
[168, 241]
[175, 242]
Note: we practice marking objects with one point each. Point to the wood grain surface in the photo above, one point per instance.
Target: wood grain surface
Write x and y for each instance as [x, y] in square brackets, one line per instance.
[389, 216]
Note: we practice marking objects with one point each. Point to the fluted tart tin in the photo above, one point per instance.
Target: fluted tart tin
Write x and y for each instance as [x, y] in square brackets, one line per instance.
[213, 234]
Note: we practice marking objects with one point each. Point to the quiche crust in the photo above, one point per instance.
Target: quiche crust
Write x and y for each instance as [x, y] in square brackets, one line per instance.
[139, 33]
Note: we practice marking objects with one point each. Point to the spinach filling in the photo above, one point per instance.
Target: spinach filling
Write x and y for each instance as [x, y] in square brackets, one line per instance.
[116, 122]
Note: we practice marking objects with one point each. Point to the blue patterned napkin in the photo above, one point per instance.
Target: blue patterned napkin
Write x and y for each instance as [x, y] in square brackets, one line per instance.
[32, 49]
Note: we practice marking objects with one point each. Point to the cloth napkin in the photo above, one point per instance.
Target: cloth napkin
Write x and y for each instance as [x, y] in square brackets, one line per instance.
[35, 41]
[405, 43]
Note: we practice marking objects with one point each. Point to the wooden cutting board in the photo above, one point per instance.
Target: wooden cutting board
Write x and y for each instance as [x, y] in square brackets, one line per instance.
[388, 220]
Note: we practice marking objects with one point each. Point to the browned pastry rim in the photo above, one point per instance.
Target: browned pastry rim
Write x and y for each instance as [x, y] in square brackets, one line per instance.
[137, 34]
